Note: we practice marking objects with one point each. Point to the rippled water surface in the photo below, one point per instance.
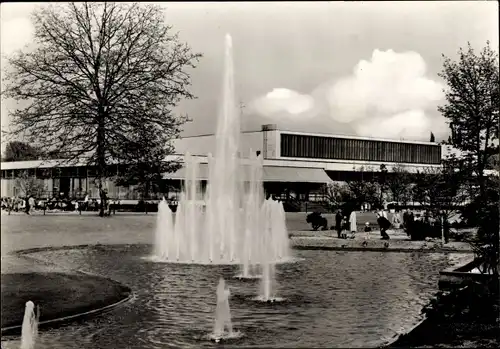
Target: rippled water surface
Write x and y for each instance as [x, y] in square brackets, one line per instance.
[333, 299]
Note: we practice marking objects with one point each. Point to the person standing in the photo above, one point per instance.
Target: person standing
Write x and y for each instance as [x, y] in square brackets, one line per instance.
[338, 223]
[396, 220]
[384, 225]
[345, 228]
[406, 217]
[368, 230]
[31, 202]
[27, 205]
[352, 224]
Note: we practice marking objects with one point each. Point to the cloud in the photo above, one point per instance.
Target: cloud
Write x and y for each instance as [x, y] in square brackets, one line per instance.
[412, 124]
[389, 83]
[282, 101]
[388, 95]
[23, 34]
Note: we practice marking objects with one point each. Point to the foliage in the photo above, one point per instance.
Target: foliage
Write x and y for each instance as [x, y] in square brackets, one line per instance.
[99, 74]
[493, 163]
[350, 196]
[317, 221]
[486, 217]
[336, 193]
[29, 185]
[145, 163]
[472, 109]
[362, 191]
[399, 183]
[20, 151]
[440, 188]
[472, 106]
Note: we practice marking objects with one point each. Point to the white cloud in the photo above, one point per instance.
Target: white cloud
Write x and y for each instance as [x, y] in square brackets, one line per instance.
[412, 124]
[387, 96]
[282, 101]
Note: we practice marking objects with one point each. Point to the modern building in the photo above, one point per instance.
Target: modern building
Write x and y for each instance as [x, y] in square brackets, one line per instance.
[295, 163]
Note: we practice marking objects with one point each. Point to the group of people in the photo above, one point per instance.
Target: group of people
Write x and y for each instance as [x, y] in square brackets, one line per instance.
[429, 224]
[346, 227]
[343, 225]
[18, 204]
[28, 204]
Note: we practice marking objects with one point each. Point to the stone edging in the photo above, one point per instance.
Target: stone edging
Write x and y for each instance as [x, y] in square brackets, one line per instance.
[406, 333]
[397, 336]
[86, 314]
[379, 249]
[73, 317]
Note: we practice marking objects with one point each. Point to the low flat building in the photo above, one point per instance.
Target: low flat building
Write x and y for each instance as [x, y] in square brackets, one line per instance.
[295, 163]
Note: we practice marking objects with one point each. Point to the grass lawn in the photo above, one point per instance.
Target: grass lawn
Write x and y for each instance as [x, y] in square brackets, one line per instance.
[57, 294]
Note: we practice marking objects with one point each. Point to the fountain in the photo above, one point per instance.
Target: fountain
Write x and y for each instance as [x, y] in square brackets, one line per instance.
[163, 221]
[229, 223]
[266, 285]
[222, 314]
[29, 329]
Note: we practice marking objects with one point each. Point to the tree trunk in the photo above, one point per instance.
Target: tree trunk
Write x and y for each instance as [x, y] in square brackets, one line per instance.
[146, 190]
[101, 160]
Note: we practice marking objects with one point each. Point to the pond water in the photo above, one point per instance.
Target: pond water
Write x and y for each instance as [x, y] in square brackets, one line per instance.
[332, 299]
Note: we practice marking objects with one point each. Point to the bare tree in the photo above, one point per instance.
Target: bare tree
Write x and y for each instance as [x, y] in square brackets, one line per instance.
[99, 74]
[398, 182]
[351, 195]
[441, 188]
[337, 194]
[29, 185]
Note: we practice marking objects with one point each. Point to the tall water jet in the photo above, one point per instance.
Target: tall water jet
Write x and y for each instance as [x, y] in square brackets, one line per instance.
[29, 328]
[164, 221]
[222, 313]
[225, 224]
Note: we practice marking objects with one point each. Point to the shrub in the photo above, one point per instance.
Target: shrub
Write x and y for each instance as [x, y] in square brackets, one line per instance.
[317, 221]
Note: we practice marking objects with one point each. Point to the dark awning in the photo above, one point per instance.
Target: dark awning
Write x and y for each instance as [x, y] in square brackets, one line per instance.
[270, 174]
[295, 174]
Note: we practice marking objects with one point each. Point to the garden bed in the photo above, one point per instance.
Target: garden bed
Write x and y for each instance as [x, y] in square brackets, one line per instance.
[58, 295]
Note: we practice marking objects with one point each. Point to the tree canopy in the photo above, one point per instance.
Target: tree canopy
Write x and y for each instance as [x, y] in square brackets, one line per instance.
[145, 162]
[472, 109]
[20, 151]
[472, 106]
[99, 76]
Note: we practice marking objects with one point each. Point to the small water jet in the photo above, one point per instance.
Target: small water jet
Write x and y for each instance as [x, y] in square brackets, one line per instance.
[163, 221]
[29, 329]
[223, 328]
[267, 285]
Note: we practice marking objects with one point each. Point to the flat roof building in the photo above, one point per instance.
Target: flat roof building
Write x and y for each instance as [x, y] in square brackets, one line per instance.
[289, 158]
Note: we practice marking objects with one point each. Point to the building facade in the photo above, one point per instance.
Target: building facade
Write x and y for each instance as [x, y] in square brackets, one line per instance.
[295, 163]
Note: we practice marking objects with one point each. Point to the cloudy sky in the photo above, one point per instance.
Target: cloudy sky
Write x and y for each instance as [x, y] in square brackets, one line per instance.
[358, 68]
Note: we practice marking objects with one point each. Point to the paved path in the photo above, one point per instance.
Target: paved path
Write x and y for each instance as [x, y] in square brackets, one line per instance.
[20, 231]
[399, 241]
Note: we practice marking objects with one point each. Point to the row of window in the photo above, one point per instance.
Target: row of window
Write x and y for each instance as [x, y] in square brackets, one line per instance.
[57, 172]
[302, 146]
